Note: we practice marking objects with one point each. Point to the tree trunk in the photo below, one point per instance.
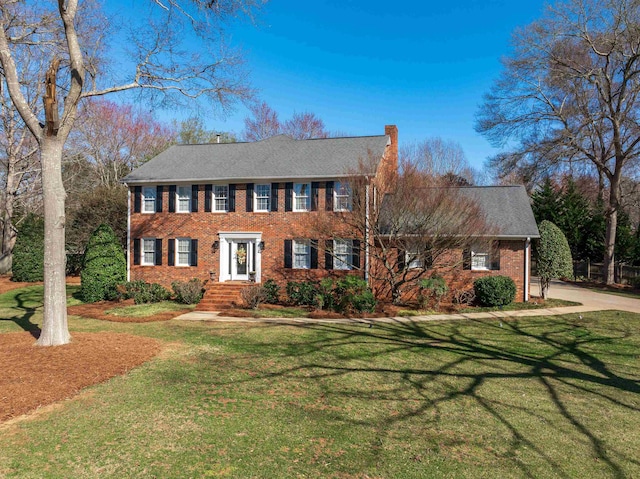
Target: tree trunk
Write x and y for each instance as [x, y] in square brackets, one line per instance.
[54, 326]
[612, 226]
[8, 231]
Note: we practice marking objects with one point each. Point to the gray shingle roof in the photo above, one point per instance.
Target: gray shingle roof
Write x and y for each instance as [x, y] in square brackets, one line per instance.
[279, 157]
[507, 208]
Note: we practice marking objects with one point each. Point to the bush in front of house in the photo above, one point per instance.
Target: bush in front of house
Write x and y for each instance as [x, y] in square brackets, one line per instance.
[28, 252]
[188, 292]
[494, 290]
[103, 266]
[271, 291]
[253, 295]
[143, 292]
[553, 255]
[303, 293]
[352, 295]
[433, 288]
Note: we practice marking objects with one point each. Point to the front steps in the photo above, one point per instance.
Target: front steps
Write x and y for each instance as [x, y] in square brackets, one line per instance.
[218, 296]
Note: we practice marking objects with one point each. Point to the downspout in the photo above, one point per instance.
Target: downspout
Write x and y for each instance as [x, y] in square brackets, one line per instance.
[527, 265]
[128, 232]
[366, 234]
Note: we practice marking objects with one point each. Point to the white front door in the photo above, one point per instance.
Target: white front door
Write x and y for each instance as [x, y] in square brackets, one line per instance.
[241, 259]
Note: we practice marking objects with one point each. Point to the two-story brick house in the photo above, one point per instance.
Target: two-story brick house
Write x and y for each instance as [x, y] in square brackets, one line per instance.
[229, 212]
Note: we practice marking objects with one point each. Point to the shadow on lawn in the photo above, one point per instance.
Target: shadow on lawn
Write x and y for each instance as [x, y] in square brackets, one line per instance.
[26, 304]
[553, 352]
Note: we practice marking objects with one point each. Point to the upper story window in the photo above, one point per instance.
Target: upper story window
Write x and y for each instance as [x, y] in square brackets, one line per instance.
[262, 195]
[342, 197]
[183, 194]
[149, 199]
[301, 197]
[301, 254]
[183, 258]
[221, 198]
[343, 254]
[148, 253]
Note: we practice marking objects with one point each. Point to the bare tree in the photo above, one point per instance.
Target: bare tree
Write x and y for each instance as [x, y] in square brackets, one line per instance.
[73, 36]
[439, 159]
[569, 95]
[264, 123]
[192, 131]
[416, 229]
[116, 138]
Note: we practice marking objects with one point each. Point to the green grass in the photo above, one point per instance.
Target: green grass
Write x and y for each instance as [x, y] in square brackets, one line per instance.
[549, 303]
[538, 397]
[288, 312]
[143, 310]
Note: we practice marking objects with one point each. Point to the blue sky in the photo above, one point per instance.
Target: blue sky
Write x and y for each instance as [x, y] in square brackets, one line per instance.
[359, 65]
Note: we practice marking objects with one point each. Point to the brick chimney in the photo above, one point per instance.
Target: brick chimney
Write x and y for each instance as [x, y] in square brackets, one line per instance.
[391, 156]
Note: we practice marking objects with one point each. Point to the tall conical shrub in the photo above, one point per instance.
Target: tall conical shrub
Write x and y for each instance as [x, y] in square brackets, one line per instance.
[28, 252]
[553, 255]
[103, 267]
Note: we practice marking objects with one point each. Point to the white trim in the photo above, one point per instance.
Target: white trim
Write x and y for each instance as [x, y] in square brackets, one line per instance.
[143, 251]
[527, 265]
[213, 199]
[307, 243]
[349, 197]
[294, 197]
[177, 262]
[128, 233]
[255, 197]
[188, 188]
[226, 238]
[144, 197]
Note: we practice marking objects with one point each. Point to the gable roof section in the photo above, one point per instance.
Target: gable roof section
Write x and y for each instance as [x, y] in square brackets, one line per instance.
[507, 209]
[279, 157]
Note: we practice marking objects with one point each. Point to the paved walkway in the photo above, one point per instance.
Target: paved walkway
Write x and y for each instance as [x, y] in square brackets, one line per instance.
[591, 301]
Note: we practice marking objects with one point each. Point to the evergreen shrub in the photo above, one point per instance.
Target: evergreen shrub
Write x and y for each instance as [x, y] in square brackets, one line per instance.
[103, 267]
[494, 290]
[28, 252]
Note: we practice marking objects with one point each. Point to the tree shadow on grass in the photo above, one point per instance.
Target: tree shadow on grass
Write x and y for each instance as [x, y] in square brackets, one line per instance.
[27, 302]
[564, 356]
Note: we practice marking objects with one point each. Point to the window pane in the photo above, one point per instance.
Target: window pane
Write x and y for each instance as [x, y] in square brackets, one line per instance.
[262, 197]
[301, 254]
[184, 246]
[220, 195]
[342, 254]
[149, 204]
[148, 250]
[184, 198]
[301, 192]
[342, 195]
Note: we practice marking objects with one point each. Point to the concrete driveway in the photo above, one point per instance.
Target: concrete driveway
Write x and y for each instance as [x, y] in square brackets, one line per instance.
[592, 300]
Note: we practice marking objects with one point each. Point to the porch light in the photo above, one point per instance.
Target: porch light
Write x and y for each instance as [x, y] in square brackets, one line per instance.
[212, 275]
[215, 246]
[261, 246]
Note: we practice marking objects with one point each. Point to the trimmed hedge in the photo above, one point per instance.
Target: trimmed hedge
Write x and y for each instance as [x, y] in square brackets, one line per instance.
[494, 290]
[28, 252]
[103, 268]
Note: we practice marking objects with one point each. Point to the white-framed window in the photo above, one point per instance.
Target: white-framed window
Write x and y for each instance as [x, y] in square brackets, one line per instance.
[148, 253]
[480, 257]
[342, 197]
[413, 259]
[220, 198]
[149, 199]
[301, 254]
[262, 194]
[183, 197]
[342, 254]
[301, 196]
[183, 251]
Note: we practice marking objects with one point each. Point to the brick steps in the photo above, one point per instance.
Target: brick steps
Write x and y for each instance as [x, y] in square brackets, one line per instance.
[222, 295]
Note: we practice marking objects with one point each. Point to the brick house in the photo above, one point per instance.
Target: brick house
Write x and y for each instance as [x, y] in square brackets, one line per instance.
[233, 212]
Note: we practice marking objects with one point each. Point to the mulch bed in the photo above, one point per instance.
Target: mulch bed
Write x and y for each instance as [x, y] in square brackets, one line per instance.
[98, 311]
[33, 376]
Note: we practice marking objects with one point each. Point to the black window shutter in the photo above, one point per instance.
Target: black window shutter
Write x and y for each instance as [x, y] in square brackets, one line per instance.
[208, 192]
[401, 259]
[314, 254]
[355, 254]
[158, 252]
[194, 198]
[495, 256]
[171, 252]
[466, 259]
[136, 251]
[328, 254]
[288, 196]
[288, 253]
[249, 197]
[328, 196]
[315, 186]
[159, 195]
[274, 196]
[193, 260]
[172, 198]
[232, 198]
[137, 199]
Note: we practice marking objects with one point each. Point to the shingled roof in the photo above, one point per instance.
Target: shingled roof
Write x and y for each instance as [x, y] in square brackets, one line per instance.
[507, 209]
[278, 157]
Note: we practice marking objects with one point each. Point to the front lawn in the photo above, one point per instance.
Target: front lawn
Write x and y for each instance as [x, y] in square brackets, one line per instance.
[538, 397]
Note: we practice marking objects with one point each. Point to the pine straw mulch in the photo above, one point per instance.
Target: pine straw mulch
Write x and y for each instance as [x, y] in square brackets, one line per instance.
[32, 376]
[99, 311]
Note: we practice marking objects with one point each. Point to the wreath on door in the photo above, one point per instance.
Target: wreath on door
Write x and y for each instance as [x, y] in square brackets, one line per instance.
[241, 255]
